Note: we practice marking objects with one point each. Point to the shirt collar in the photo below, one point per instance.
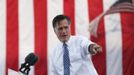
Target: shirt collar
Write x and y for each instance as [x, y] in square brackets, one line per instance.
[68, 42]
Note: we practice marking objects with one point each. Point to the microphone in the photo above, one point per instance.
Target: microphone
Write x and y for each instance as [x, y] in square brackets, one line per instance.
[30, 60]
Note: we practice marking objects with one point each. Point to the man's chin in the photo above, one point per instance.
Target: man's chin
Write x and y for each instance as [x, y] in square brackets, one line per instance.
[64, 40]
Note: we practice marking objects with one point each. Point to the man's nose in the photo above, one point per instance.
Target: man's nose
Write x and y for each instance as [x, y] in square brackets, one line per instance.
[64, 30]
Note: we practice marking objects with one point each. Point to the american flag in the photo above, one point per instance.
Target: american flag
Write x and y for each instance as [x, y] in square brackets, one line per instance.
[117, 7]
[26, 26]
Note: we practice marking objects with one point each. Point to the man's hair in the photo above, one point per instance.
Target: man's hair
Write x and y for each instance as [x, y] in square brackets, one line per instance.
[59, 18]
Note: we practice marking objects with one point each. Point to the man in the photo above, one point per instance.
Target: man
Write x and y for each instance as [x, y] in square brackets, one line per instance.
[72, 56]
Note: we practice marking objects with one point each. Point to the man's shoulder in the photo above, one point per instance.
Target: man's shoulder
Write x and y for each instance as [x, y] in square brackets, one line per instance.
[80, 37]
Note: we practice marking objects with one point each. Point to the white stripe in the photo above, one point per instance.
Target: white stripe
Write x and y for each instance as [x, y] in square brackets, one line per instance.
[26, 30]
[113, 41]
[54, 7]
[2, 36]
[81, 17]
[12, 72]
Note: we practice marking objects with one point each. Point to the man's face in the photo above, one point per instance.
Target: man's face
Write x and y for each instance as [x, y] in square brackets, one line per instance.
[62, 30]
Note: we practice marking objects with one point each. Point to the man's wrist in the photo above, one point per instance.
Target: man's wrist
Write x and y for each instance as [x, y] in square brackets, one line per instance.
[90, 48]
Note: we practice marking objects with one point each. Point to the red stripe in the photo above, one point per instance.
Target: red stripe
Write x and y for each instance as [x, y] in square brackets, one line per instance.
[12, 35]
[40, 14]
[69, 10]
[128, 39]
[95, 7]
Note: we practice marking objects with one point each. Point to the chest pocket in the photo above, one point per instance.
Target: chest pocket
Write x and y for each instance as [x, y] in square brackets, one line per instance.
[75, 55]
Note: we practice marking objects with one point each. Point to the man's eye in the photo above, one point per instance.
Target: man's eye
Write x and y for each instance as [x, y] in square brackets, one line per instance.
[66, 27]
[60, 29]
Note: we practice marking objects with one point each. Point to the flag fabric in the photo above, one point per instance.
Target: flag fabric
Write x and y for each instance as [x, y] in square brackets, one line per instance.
[12, 72]
[117, 7]
[26, 26]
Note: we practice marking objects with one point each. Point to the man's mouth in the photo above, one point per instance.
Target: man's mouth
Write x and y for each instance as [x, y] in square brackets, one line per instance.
[64, 35]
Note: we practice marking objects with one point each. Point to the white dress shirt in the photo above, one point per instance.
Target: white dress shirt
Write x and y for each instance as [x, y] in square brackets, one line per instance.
[80, 58]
